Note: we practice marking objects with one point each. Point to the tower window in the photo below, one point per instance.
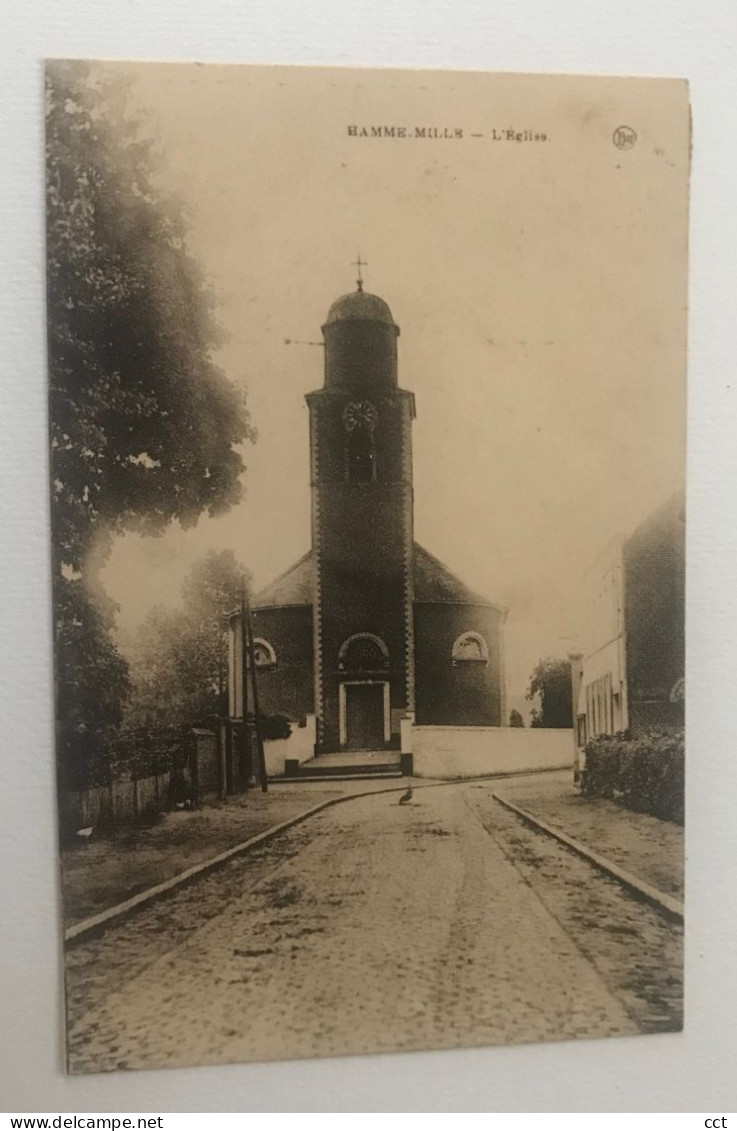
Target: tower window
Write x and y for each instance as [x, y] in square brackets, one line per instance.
[360, 456]
[470, 647]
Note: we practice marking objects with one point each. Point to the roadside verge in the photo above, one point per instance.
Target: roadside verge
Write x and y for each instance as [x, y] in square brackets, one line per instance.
[95, 924]
[671, 907]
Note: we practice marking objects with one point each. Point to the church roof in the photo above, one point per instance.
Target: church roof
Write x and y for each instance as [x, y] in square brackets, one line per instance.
[295, 587]
[358, 306]
[433, 583]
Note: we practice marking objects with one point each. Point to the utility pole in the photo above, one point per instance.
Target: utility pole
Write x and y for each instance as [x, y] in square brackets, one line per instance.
[222, 711]
[249, 661]
[245, 744]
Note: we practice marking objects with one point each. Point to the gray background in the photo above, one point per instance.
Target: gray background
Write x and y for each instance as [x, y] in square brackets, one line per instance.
[691, 38]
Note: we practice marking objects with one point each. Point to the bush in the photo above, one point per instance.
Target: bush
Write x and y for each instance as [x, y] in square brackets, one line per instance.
[645, 773]
[142, 751]
[275, 726]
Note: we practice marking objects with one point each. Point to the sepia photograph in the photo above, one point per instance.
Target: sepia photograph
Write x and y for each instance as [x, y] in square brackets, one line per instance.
[367, 419]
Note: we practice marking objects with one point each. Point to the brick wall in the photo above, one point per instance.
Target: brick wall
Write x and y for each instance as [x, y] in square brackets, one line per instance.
[462, 694]
[288, 688]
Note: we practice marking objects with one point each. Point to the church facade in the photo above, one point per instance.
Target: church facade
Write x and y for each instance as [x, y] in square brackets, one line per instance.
[368, 627]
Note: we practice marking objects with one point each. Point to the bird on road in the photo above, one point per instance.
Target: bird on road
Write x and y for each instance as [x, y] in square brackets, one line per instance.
[406, 796]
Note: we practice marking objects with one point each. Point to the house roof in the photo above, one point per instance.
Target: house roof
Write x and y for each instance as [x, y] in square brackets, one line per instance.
[433, 583]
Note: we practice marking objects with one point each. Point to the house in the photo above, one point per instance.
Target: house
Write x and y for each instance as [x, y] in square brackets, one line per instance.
[630, 675]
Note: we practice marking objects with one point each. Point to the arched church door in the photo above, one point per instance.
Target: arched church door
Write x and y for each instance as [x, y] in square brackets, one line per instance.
[364, 662]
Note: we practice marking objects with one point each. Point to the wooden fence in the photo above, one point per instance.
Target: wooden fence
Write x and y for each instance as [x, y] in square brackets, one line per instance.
[194, 774]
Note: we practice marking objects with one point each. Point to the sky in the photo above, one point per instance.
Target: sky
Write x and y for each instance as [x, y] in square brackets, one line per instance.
[540, 288]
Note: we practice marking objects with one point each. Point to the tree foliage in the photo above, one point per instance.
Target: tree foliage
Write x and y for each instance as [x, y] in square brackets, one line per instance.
[179, 656]
[92, 684]
[145, 428]
[550, 684]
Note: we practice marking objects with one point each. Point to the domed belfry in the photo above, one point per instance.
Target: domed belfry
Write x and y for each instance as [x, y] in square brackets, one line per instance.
[368, 626]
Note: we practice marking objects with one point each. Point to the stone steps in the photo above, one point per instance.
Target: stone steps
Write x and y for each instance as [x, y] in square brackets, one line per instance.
[373, 764]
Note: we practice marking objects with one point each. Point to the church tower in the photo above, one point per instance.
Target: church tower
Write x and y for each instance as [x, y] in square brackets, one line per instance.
[362, 530]
[368, 626]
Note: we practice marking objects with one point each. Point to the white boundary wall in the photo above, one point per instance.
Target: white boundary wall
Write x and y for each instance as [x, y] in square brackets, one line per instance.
[300, 745]
[463, 752]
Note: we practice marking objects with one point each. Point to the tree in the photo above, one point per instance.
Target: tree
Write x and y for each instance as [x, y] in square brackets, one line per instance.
[179, 656]
[515, 718]
[92, 685]
[145, 428]
[550, 683]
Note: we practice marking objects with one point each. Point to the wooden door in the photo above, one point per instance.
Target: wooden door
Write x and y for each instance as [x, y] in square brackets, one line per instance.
[365, 716]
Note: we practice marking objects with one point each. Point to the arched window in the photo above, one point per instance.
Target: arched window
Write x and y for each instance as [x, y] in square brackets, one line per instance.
[263, 654]
[363, 652]
[470, 647]
[360, 456]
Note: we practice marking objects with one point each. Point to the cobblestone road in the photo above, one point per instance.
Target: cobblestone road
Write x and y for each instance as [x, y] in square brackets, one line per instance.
[377, 927]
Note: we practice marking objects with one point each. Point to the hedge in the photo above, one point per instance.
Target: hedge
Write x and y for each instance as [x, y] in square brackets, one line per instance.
[275, 726]
[646, 773]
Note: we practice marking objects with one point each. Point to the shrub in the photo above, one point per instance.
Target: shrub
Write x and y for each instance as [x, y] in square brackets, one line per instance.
[275, 726]
[142, 751]
[645, 773]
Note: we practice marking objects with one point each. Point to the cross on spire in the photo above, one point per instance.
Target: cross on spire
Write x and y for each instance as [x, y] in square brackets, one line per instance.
[359, 263]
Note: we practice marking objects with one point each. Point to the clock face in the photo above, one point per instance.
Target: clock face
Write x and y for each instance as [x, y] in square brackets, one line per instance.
[360, 414]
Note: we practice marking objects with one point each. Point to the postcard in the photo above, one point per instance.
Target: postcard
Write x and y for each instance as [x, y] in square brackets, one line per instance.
[367, 418]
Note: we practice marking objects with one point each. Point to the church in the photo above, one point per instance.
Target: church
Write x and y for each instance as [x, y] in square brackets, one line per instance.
[368, 627]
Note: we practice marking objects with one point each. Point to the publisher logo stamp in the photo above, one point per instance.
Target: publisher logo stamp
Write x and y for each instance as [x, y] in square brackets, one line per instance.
[624, 137]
